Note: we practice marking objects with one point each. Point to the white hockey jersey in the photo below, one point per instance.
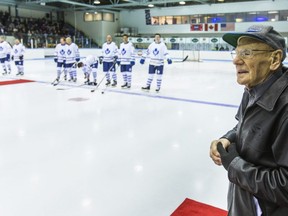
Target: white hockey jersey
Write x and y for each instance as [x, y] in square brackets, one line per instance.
[109, 51]
[17, 51]
[8, 47]
[60, 52]
[157, 53]
[71, 53]
[90, 60]
[3, 50]
[126, 53]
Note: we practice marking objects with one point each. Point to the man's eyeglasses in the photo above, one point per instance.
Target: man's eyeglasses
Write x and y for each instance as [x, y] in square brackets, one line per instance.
[247, 53]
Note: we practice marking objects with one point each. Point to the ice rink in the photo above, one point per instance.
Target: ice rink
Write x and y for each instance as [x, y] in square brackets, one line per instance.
[68, 152]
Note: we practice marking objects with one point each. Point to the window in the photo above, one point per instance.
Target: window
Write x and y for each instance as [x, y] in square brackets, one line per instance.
[98, 16]
[185, 19]
[262, 16]
[88, 17]
[108, 17]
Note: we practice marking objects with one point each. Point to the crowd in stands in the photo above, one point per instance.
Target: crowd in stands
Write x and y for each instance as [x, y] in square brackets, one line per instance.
[42, 31]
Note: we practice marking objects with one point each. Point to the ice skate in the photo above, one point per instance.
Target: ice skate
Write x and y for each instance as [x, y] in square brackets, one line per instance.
[125, 85]
[114, 83]
[108, 83]
[147, 88]
[92, 83]
[56, 81]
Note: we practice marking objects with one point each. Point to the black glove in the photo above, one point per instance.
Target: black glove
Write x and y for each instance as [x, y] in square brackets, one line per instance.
[21, 57]
[100, 59]
[227, 156]
[115, 59]
[80, 64]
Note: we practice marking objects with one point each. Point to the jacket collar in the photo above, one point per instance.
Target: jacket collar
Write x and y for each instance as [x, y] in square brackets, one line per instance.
[269, 99]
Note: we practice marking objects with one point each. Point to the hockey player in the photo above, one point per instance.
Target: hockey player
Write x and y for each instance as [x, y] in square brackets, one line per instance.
[18, 56]
[5, 48]
[157, 51]
[72, 56]
[3, 55]
[126, 60]
[59, 58]
[90, 64]
[109, 58]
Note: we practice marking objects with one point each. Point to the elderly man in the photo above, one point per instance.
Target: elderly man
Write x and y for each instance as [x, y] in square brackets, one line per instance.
[72, 56]
[255, 151]
[109, 58]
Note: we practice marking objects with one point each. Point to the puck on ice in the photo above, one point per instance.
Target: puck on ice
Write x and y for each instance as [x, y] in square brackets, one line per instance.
[102, 92]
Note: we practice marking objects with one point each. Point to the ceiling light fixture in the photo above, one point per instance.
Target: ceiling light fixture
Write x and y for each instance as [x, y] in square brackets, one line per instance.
[272, 12]
[150, 5]
[182, 2]
[97, 2]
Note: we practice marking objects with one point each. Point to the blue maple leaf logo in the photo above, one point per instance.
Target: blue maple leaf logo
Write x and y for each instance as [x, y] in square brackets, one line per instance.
[155, 52]
[107, 51]
[123, 51]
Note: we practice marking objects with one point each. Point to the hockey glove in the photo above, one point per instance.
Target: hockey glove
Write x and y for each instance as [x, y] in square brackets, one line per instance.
[100, 59]
[115, 59]
[12, 58]
[8, 57]
[77, 59]
[169, 61]
[55, 60]
[142, 61]
[132, 63]
[227, 156]
[80, 64]
[21, 57]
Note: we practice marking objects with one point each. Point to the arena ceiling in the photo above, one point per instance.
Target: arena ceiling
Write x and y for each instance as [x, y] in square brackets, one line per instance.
[114, 5]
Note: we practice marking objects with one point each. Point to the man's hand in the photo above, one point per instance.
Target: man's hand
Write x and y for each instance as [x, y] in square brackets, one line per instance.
[214, 154]
[227, 155]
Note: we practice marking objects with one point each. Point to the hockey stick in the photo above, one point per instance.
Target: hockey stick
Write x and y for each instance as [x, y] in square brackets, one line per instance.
[183, 60]
[57, 81]
[93, 90]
